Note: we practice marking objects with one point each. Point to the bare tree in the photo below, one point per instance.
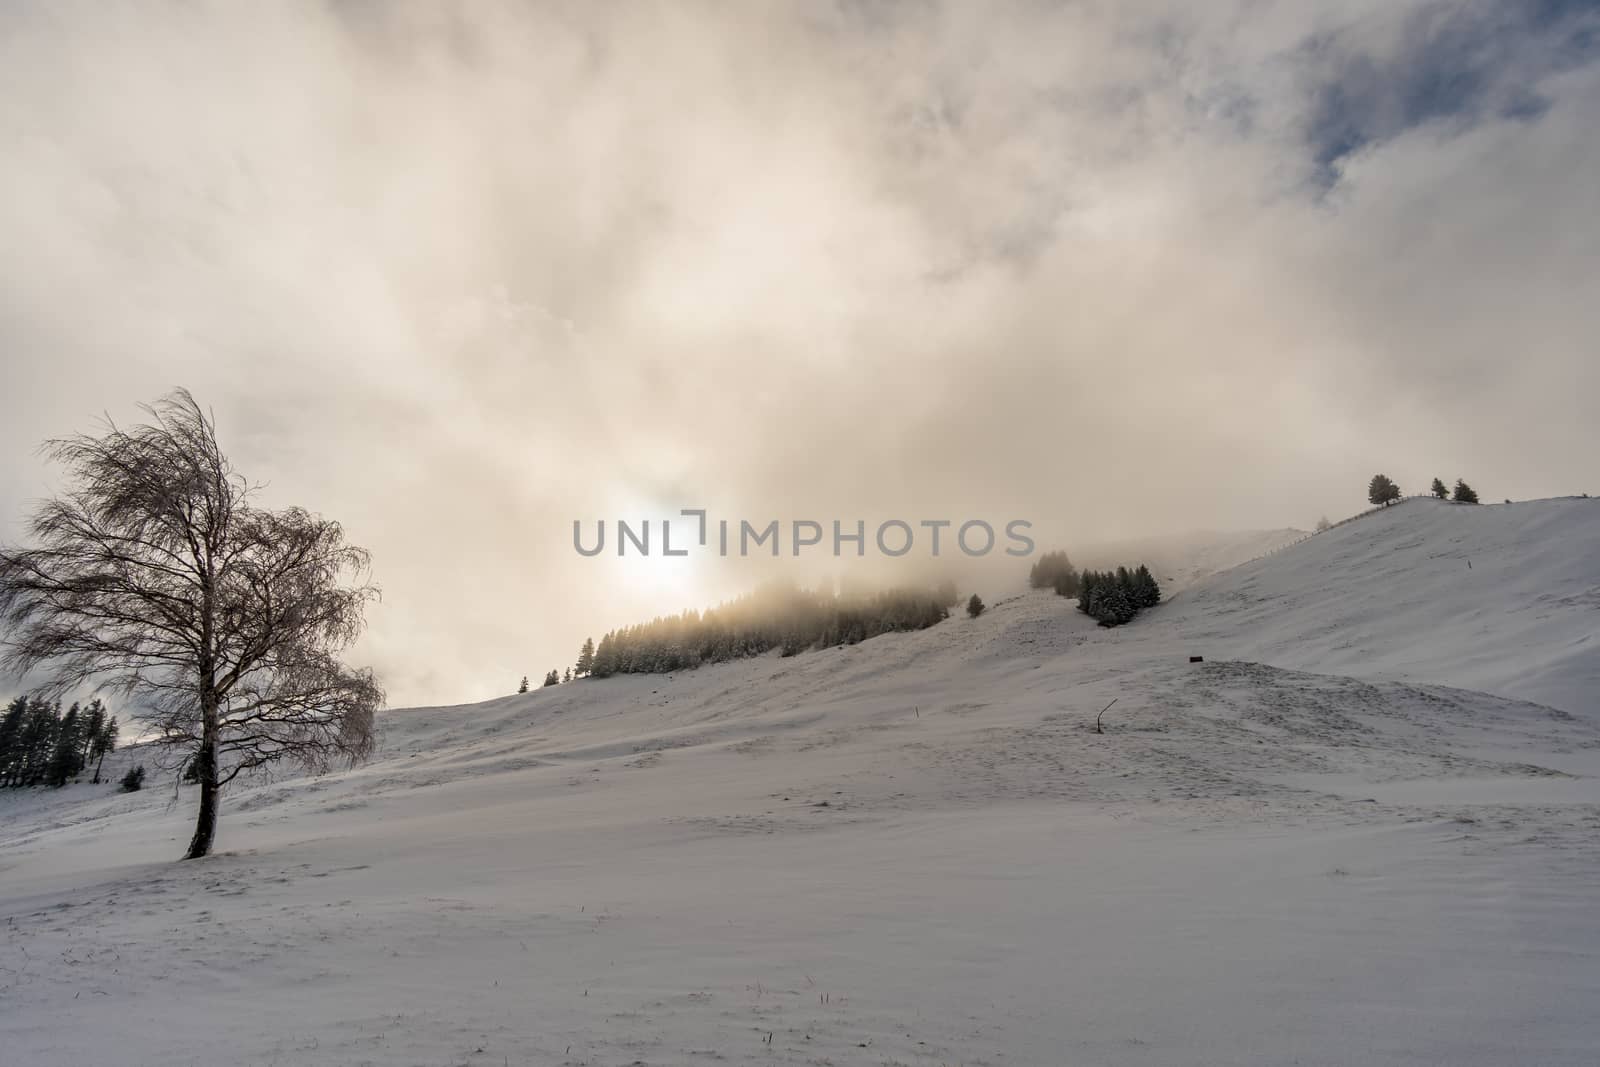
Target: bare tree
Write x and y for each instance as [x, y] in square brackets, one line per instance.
[157, 578]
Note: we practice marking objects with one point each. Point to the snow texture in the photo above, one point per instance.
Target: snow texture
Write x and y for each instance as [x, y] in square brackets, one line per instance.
[1362, 831]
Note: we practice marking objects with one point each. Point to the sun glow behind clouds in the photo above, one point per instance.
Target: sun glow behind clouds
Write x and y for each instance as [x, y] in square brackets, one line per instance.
[458, 278]
[652, 582]
[676, 580]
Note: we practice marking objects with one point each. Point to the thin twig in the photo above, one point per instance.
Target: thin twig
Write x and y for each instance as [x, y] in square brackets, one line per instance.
[1097, 718]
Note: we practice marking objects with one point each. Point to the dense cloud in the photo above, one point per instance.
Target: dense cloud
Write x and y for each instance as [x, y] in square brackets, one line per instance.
[458, 275]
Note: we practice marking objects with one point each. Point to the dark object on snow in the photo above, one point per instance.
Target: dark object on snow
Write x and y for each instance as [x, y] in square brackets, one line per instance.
[133, 781]
[1197, 659]
[1102, 715]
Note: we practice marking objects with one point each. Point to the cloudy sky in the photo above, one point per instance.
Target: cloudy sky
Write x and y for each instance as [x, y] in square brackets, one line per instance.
[457, 275]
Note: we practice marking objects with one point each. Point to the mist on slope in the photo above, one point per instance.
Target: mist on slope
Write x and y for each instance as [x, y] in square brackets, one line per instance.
[460, 276]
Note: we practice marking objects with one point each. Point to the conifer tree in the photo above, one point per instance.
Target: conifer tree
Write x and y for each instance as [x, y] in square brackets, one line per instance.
[1112, 606]
[974, 606]
[1054, 570]
[1088, 584]
[1465, 494]
[11, 738]
[1381, 491]
[553, 678]
[523, 688]
[567, 677]
[64, 760]
[605, 657]
[1115, 597]
[585, 664]
[1146, 591]
[94, 722]
[104, 742]
[1438, 489]
[38, 742]
[783, 617]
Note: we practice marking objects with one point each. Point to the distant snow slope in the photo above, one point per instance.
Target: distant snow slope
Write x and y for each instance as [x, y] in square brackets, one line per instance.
[1181, 560]
[914, 851]
[1499, 597]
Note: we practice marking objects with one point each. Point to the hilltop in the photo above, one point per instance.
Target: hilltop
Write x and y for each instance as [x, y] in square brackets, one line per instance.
[1500, 597]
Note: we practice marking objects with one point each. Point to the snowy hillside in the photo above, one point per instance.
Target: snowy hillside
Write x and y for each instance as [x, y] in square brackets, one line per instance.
[1363, 831]
[1183, 560]
[1501, 597]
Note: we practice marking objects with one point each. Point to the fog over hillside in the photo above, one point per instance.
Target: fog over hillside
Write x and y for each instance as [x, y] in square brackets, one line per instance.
[457, 275]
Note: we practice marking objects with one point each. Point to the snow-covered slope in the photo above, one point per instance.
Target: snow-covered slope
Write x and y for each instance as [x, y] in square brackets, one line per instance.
[1500, 597]
[918, 850]
[1181, 560]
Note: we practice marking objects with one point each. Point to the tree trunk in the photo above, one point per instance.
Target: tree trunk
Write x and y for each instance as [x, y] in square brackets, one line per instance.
[97, 766]
[206, 759]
